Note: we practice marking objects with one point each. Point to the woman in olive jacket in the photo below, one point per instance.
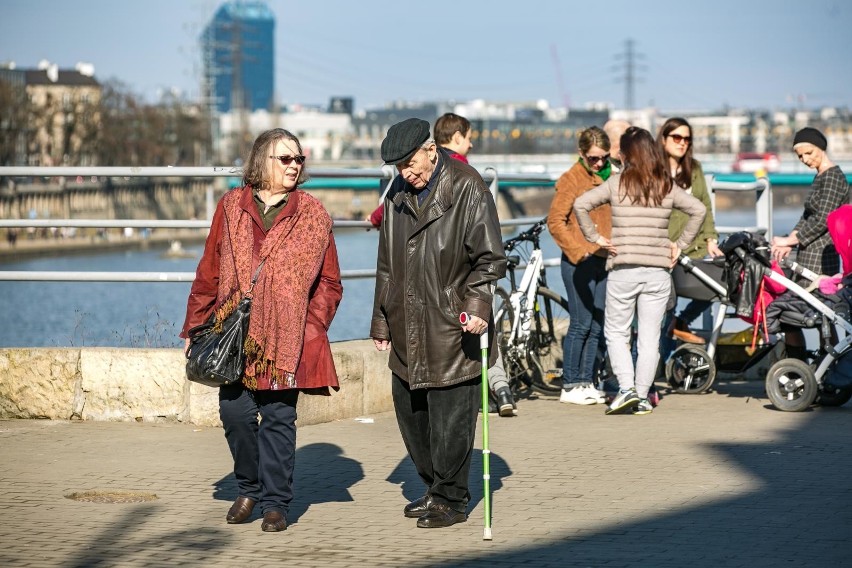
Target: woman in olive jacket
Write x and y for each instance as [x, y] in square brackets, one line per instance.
[675, 138]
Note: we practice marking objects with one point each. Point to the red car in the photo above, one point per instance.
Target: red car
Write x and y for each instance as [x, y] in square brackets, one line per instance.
[754, 161]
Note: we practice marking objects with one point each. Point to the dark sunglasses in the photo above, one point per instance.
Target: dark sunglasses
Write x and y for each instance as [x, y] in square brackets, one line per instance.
[287, 159]
[595, 159]
[678, 138]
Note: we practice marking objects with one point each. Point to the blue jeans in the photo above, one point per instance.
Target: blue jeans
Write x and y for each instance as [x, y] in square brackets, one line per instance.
[585, 290]
[264, 452]
[694, 309]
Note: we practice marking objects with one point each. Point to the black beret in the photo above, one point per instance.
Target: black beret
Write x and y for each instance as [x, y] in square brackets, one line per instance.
[810, 136]
[403, 139]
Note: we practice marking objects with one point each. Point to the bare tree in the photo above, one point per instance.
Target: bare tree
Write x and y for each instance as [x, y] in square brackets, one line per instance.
[15, 117]
[134, 133]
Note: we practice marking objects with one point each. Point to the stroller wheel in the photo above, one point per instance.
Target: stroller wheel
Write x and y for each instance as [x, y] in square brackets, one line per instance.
[791, 385]
[690, 370]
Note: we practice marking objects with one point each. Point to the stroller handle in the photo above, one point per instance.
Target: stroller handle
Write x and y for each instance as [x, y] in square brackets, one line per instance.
[799, 269]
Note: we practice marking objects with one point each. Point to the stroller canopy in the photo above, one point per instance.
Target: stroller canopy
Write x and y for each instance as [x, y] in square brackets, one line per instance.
[840, 228]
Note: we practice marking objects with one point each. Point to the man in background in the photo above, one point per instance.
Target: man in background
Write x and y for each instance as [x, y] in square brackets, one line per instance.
[614, 128]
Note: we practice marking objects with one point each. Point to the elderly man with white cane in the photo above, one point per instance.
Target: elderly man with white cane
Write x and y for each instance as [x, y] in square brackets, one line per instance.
[440, 254]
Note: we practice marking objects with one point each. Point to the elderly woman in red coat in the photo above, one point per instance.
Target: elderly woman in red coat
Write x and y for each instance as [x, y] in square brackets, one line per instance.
[270, 221]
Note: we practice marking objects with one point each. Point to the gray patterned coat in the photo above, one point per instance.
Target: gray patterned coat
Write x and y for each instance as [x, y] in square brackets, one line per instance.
[816, 250]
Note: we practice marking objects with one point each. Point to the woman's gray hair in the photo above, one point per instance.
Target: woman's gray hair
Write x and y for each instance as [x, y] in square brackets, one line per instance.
[256, 172]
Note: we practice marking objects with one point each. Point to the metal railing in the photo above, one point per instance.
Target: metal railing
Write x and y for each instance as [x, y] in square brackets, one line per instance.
[761, 187]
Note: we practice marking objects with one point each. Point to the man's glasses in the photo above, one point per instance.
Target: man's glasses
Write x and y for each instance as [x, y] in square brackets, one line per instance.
[595, 159]
[287, 159]
[678, 138]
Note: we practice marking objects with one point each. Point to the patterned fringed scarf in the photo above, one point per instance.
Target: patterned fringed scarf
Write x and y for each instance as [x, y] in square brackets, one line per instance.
[294, 250]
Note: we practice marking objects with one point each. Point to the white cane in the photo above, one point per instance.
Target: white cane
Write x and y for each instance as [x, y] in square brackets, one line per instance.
[486, 453]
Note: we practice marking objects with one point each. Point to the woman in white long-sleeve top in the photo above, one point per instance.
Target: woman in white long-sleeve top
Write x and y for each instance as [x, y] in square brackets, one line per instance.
[640, 259]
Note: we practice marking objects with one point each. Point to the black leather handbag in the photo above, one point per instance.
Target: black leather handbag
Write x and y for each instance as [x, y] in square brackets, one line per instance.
[217, 359]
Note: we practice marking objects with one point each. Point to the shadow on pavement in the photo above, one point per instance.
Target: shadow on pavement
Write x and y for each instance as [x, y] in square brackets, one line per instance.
[323, 475]
[796, 510]
[405, 475]
[123, 538]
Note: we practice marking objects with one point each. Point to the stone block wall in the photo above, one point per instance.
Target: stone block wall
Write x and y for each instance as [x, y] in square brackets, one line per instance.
[149, 385]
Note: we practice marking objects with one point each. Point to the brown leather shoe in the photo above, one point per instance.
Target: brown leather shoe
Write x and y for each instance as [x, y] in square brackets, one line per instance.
[440, 515]
[240, 510]
[273, 521]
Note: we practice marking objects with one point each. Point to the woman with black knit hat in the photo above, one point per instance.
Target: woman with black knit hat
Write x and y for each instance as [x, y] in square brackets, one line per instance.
[829, 191]
[815, 249]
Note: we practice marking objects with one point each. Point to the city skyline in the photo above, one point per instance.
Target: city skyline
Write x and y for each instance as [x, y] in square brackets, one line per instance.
[689, 56]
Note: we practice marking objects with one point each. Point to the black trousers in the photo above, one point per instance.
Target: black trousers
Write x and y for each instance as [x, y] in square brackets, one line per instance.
[264, 453]
[438, 427]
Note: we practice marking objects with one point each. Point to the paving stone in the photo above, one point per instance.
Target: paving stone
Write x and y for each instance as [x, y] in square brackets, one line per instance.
[711, 480]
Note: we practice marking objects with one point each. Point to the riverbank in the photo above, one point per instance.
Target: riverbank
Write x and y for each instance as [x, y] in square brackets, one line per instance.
[27, 248]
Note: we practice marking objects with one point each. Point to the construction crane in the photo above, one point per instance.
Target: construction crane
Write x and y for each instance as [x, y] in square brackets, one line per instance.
[557, 66]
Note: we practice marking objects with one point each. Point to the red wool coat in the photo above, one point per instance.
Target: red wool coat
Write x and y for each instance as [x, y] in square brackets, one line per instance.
[316, 366]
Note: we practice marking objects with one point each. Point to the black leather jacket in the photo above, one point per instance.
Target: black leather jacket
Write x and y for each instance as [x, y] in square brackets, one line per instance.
[433, 264]
[744, 270]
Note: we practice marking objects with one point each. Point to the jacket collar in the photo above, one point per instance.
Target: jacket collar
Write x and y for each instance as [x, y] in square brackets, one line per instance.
[440, 200]
[248, 205]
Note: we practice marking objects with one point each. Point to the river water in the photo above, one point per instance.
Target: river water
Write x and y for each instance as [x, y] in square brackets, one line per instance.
[65, 314]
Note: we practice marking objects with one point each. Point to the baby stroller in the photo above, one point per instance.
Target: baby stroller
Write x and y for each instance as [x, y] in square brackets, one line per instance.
[692, 368]
[793, 384]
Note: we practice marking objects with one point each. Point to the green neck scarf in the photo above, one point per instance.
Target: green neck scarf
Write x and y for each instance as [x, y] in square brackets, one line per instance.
[603, 174]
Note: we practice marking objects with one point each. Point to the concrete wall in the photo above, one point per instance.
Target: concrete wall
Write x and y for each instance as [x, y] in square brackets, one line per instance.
[149, 385]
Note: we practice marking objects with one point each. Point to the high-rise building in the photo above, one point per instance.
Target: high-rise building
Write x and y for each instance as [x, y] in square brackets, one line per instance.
[238, 50]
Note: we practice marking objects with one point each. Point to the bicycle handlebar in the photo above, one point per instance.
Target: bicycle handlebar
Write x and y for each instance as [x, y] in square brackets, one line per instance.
[530, 235]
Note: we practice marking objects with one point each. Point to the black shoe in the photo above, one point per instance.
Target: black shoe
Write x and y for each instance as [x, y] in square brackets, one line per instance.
[505, 403]
[440, 515]
[418, 507]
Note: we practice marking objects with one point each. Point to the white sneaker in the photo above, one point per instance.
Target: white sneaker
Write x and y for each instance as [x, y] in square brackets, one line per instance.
[577, 395]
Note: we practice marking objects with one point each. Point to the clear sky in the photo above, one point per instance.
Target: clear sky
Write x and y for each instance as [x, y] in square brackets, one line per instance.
[693, 54]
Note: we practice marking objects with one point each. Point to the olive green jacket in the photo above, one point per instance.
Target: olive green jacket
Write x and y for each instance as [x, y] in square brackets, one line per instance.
[677, 222]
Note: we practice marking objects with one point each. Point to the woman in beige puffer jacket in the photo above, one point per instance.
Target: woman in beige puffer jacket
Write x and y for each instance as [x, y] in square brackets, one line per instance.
[640, 259]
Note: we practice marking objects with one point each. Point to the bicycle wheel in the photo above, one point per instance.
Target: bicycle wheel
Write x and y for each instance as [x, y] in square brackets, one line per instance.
[548, 330]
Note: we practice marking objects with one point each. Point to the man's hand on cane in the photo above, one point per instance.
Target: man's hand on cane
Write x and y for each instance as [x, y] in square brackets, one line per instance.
[474, 324]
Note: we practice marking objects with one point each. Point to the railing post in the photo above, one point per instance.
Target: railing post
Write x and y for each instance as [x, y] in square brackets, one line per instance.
[493, 187]
[763, 206]
[209, 203]
[709, 178]
[388, 172]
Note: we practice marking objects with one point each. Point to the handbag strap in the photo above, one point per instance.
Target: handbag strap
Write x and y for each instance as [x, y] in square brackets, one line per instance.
[254, 278]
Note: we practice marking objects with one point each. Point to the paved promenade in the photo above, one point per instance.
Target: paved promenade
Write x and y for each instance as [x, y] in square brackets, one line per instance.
[713, 480]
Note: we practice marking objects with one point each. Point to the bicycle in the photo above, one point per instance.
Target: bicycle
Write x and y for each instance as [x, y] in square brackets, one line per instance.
[530, 321]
